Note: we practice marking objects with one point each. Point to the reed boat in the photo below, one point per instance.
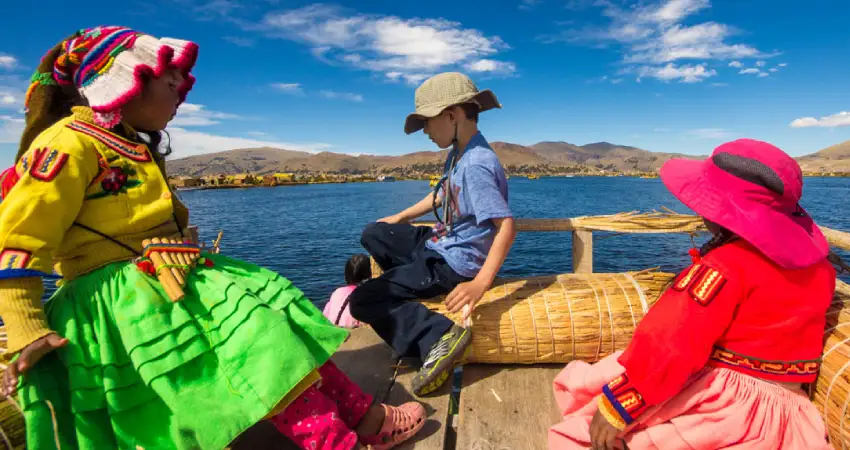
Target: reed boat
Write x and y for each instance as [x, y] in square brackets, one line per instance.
[524, 331]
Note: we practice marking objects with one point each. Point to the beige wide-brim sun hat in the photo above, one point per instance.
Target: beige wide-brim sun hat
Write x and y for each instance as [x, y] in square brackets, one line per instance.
[442, 91]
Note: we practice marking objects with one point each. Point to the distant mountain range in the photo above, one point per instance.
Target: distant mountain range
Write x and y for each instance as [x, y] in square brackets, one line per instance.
[543, 157]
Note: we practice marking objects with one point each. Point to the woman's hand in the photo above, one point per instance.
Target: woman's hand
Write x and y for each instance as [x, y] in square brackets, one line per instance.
[29, 356]
[603, 435]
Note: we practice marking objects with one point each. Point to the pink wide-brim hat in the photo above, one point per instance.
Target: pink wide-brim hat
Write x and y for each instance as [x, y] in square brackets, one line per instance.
[753, 189]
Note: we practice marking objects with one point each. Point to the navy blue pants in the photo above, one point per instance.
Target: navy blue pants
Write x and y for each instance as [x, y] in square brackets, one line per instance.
[411, 272]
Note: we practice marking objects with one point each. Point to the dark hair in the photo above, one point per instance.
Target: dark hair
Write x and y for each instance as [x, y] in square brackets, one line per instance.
[470, 110]
[47, 102]
[358, 269]
[720, 239]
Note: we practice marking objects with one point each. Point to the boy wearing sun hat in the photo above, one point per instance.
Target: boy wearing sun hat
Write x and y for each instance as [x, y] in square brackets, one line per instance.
[460, 256]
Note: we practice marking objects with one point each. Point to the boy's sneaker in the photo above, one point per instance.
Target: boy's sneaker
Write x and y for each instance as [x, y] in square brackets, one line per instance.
[444, 355]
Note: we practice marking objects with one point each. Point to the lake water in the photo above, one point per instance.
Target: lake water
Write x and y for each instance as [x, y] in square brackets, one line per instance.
[307, 233]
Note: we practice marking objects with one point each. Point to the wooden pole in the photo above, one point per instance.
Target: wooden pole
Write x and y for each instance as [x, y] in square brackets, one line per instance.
[582, 251]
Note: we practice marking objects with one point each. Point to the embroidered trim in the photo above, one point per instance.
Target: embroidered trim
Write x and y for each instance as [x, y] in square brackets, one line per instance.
[11, 259]
[610, 413]
[687, 277]
[795, 368]
[706, 288]
[102, 170]
[47, 164]
[135, 151]
[623, 400]
[6, 274]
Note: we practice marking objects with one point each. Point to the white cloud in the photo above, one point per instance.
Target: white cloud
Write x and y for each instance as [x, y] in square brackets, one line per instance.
[411, 78]
[289, 88]
[782, 65]
[8, 99]
[492, 66]
[188, 143]
[239, 41]
[342, 95]
[710, 133]
[385, 44]
[258, 134]
[720, 84]
[8, 62]
[194, 115]
[760, 63]
[749, 71]
[11, 128]
[653, 34]
[528, 4]
[763, 75]
[841, 119]
[773, 69]
[671, 72]
[661, 130]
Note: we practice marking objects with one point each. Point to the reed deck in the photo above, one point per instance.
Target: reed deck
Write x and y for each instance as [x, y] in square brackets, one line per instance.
[501, 407]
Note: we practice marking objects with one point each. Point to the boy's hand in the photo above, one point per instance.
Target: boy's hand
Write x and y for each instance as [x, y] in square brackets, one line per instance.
[468, 293]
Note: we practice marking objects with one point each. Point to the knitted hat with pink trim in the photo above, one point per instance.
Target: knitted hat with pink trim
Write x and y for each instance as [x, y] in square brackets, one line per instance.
[108, 65]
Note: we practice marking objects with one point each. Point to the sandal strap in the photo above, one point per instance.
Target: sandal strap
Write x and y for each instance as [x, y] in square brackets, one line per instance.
[398, 423]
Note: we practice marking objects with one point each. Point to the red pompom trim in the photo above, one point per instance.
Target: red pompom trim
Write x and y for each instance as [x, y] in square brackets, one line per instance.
[695, 255]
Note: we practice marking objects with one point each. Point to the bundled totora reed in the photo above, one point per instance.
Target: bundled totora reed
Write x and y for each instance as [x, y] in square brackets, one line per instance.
[831, 392]
[559, 318]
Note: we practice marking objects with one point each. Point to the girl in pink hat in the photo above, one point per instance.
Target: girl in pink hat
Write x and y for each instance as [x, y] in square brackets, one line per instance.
[719, 360]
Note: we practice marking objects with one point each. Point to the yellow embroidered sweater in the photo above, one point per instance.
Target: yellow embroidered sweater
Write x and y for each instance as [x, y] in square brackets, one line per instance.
[76, 172]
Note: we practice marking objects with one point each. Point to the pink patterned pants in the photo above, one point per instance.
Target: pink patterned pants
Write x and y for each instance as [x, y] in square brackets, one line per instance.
[325, 415]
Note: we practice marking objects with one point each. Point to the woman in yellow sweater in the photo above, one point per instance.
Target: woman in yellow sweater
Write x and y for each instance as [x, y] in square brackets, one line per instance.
[111, 361]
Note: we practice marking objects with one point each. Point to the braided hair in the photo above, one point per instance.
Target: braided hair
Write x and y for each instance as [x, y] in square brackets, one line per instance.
[47, 101]
[721, 237]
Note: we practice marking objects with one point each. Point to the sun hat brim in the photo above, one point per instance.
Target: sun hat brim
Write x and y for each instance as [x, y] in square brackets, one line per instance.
[415, 121]
[791, 241]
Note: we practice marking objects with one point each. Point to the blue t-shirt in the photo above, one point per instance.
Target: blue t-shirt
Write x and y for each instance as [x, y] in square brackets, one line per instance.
[480, 194]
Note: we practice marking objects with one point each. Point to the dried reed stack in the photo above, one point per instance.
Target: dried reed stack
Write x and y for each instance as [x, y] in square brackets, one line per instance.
[837, 239]
[831, 391]
[557, 319]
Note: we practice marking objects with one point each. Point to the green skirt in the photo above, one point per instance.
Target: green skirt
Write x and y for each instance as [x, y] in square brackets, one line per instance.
[143, 372]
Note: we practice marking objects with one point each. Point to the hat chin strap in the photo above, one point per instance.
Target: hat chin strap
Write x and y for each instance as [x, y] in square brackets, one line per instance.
[445, 183]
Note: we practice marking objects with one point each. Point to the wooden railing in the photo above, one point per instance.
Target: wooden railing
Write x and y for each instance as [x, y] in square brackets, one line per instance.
[582, 229]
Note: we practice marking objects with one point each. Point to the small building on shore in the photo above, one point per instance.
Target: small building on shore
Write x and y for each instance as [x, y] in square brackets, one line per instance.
[244, 179]
[185, 181]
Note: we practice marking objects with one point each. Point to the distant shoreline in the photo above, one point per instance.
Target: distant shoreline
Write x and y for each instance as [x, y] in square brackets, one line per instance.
[302, 183]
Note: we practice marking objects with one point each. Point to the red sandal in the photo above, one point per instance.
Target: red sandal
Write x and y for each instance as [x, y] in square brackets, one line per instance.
[400, 424]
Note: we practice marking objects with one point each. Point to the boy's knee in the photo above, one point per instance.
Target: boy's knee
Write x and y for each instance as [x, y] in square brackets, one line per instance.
[370, 233]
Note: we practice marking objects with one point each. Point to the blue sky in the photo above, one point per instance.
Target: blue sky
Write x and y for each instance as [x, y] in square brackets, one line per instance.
[664, 75]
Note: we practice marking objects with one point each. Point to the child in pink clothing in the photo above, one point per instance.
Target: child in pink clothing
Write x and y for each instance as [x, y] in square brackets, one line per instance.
[357, 270]
[720, 359]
